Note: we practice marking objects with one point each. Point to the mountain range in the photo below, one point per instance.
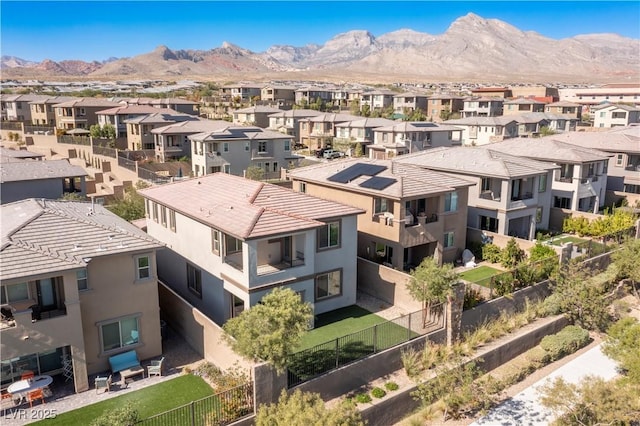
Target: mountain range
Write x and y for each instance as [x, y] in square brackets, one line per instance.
[471, 48]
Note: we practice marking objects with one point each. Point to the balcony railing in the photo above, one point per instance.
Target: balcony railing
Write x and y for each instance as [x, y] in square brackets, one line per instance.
[566, 179]
[490, 195]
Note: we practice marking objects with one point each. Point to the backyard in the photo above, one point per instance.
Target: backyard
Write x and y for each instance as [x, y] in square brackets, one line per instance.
[480, 275]
[148, 401]
[563, 239]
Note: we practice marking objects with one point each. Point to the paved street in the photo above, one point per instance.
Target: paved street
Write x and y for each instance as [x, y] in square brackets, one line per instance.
[525, 410]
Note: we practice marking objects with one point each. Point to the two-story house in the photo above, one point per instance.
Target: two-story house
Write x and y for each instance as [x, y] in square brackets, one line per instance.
[17, 107]
[288, 122]
[231, 240]
[623, 146]
[117, 116]
[407, 137]
[482, 107]
[242, 92]
[40, 179]
[81, 113]
[319, 131]
[409, 102]
[361, 130]
[492, 92]
[441, 106]
[180, 105]
[233, 149]
[279, 95]
[581, 180]
[609, 115]
[589, 97]
[376, 100]
[311, 94]
[512, 194]
[411, 213]
[522, 106]
[565, 108]
[139, 128]
[254, 116]
[78, 285]
[485, 130]
[172, 141]
[42, 111]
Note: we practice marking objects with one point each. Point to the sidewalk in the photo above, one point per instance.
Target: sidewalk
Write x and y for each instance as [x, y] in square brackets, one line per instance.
[525, 408]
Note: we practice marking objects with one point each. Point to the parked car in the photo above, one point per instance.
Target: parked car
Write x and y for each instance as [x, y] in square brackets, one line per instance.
[299, 145]
[320, 152]
[330, 154]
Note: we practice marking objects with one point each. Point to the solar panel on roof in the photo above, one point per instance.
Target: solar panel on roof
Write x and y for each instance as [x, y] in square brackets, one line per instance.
[355, 171]
[378, 182]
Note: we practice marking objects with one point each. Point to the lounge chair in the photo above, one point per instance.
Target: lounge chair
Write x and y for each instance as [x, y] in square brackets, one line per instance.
[103, 382]
[155, 368]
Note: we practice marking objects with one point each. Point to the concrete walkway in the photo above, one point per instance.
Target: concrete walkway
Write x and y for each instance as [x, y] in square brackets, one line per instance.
[524, 409]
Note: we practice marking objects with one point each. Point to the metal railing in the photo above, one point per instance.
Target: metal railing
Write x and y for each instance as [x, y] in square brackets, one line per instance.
[152, 176]
[75, 140]
[127, 164]
[522, 276]
[320, 359]
[104, 150]
[220, 409]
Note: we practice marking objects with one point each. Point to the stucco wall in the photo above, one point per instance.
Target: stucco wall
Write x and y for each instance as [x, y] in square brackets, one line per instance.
[558, 215]
[386, 284]
[41, 188]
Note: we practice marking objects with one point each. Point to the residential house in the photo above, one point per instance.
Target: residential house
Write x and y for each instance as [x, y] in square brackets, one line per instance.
[361, 130]
[10, 155]
[42, 110]
[311, 94]
[288, 122]
[40, 179]
[411, 213]
[406, 103]
[280, 95]
[254, 116]
[482, 107]
[172, 141]
[609, 115]
[441, 106]
[242, 92]
[571, 109]
[522, 106]
[17, 107]
[492, 92]
[593, 96]
[81, 112]
[406, 137]
[78, 285]
[233, 149]
[139, 135]
[484, 130]
[231, 240]
[623, 171]
[319, 131]
[531, 124]
[512, 194]
[376, 100]
[341, 97]
[183, 106]
[117, 116]
[538, 92]
[581, 180]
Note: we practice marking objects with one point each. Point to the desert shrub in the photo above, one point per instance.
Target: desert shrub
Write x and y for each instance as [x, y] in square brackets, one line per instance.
[541, 251]
[411, 362]
[391, 386]
[512, 254]
[525, 275]
[472, 298]
[566, 341]
[123, 416]
[503, 284]
[491, 253]
[378, 392]
[363, 398]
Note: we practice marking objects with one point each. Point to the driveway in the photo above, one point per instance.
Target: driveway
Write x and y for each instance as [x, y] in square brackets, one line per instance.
[524, 409]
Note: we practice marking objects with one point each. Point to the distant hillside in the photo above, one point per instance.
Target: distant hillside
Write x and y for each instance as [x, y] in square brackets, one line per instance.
[471, 48]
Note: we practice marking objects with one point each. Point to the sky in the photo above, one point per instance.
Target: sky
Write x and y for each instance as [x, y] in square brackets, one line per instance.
[96, 30]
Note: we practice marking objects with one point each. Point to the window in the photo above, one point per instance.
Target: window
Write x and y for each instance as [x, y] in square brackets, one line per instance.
[381, 205]
[246, 146]
[81, 278]
[215, 241]
[194, 279]
[172, 220]
[328, 285]
[451, 202]
[539, 215]
[147, 209]
[232, 245]
[143, 267]
[155, 212]
[119, 334]
[619, 160]
[448, 239]
[262, 146]
[486, 184]
[227, 168]
[542, 183]
[275, 166]
[287, 145]
[562, 202]
[303, 187]
[329, 235]
[225, 147]
[15, 292]
[163, 216]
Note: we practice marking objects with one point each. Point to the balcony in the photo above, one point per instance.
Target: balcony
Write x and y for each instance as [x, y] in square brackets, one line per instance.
[27, 312]
[426, 229]
[565, 179]
[257, 154]
[521, 201]
[490, 195]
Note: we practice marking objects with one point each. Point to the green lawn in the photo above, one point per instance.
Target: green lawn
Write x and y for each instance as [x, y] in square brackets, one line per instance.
[339, 323]
[148, 401]
[480, 275]
[558, 241]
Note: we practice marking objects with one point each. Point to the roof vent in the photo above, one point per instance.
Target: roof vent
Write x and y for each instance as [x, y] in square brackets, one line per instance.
[76, 246]
[100, 248]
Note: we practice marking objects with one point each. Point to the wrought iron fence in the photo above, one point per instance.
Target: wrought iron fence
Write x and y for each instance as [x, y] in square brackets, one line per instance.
[104, 150]
[320, 359]
[75, 140]
[126, 163]
[40, 130]
[216, 410]
[12, 125]
[521, 276]
[152, 176]
[594, 247]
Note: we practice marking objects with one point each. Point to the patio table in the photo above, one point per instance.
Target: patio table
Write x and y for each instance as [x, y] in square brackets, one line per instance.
[22, 387]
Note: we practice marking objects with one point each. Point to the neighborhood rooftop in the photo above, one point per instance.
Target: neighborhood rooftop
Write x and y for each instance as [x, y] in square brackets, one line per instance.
[41, 236]
[244, 208]
[549, 149]
[36, 170]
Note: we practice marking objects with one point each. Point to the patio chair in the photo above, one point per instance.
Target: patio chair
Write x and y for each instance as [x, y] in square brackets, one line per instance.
[155, 368]
[103, 382]
[35, 395]
[27, 375]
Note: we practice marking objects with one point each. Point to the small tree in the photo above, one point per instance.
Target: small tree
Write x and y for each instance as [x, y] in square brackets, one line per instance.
[541, 251]
[431, 284]
[131, 206]
[358, 150]
[623, 345]
[627, 262]
[306, 409]
[547, 131]
[254, 173]
[123, 416]
[272, 329]
[512, 254]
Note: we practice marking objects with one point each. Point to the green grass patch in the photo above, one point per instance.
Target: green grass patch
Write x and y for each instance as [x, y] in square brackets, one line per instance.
[149, 401]
[480, 275]
[558, 241]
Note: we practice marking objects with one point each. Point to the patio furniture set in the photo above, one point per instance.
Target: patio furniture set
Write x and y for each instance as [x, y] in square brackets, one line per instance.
[29, 388]
[128, 365]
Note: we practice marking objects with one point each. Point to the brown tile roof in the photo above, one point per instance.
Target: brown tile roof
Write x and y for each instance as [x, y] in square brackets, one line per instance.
[48, 236]
[244, 208]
